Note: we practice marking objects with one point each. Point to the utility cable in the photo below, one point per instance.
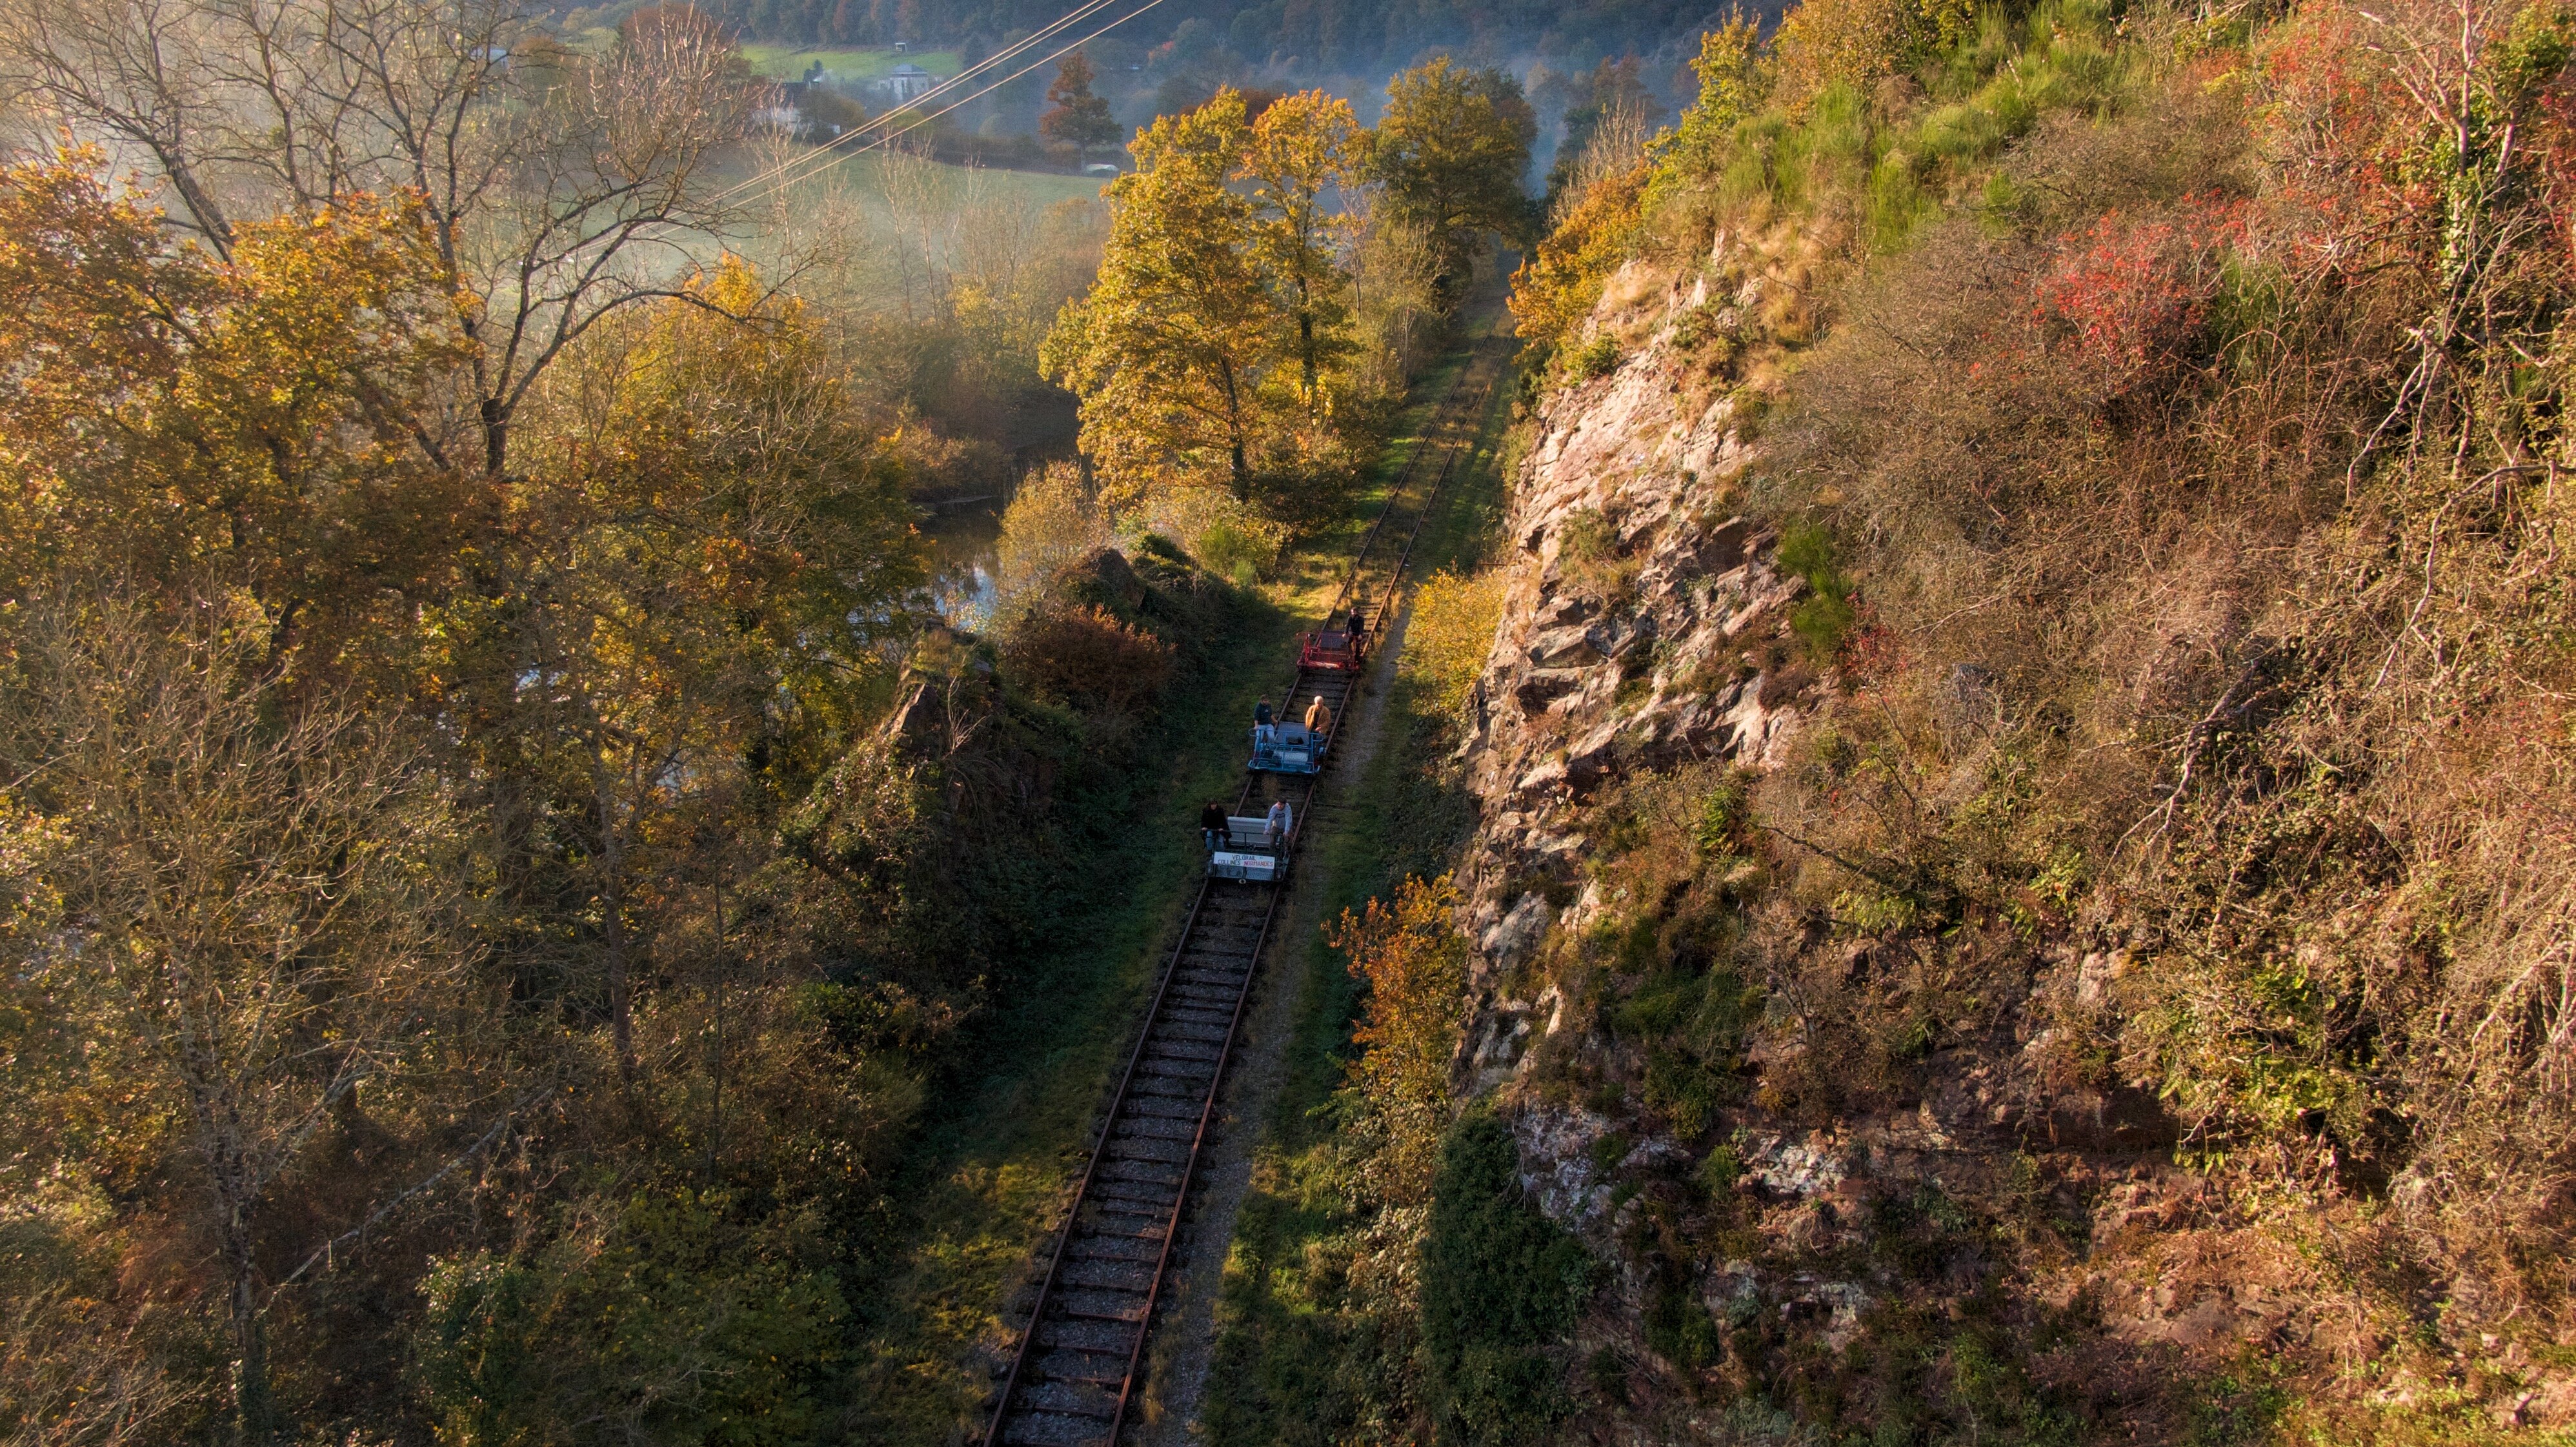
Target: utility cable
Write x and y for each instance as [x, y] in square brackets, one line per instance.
[825, 154]
[814, 163]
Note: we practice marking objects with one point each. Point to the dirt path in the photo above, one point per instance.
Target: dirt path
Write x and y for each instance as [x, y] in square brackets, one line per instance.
[1187, 1337]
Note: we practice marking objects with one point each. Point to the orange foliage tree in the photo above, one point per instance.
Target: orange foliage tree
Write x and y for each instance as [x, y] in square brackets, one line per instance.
[1558, 286]
[1414, 962]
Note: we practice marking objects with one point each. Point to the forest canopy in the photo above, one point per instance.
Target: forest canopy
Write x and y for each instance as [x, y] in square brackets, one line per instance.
[501, 846]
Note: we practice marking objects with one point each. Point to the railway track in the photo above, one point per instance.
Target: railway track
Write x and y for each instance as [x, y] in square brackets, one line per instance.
[1080, 1360]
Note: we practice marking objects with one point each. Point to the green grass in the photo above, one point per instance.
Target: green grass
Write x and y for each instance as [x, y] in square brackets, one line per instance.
[859, 180]
[861, 177]
[1036, 189]
[788, 62]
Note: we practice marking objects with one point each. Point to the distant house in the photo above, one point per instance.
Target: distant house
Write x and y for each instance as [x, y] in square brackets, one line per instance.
[814, 79]
[787, 112]
[907, 83]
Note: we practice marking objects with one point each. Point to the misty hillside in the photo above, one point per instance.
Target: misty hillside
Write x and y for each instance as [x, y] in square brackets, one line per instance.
[1289, 38]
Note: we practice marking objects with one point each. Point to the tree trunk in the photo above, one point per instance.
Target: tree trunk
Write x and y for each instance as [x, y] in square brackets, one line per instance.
[496, 436]
[1234, 431]
[254, 1410]
[202, 208]
[612, 901]
[715, 1102]
[1306, 337]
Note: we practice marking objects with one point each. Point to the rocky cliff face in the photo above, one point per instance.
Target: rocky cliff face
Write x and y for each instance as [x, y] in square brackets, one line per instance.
[1646, 665]
[1644, 626]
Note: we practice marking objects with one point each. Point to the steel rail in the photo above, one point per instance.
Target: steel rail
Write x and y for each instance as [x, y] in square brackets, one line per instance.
[1189, 1171]
[1091, 1168]
[1150, 1032]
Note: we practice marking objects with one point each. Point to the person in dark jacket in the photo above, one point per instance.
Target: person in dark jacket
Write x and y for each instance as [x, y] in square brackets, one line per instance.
[1261, 714]
[1212, 826]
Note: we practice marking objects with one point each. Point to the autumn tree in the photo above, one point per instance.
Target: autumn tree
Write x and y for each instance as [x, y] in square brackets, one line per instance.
[1054, 521]
[554, 194]
[249, 910]
[1204, 351]
[1302, 150]
[292, 710]
[1170, 348]
[1413, 961]
[1731, 84]
[184, 421]
[1074, 116]
[1855, 43]
[1451, 152]
[718, 548]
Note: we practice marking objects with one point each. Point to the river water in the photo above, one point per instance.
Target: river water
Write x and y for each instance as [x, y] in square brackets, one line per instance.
[964, 538]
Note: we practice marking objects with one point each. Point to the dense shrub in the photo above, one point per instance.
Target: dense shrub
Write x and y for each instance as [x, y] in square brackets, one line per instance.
[1451, 632]
[1501, 1287]
[1087, 655]
[1593, 360]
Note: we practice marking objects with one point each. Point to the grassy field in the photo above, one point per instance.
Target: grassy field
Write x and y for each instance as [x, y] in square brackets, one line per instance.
[861, 176]
[788, 62]
[864, 175]
[851, 192]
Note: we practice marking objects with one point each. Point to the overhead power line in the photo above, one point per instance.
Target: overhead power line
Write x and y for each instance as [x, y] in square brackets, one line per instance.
[814, 162]
[840, 148]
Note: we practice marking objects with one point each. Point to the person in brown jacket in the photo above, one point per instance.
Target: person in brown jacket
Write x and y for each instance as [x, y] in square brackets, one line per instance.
[1319, 719]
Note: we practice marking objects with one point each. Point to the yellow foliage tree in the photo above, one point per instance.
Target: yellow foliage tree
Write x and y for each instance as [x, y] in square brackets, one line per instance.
[1558, 286]
[1170, 347]
[181, 424]
[1731, 83]
[1303, 147]
[1450, 636]
[719, 544]
[1205, 352]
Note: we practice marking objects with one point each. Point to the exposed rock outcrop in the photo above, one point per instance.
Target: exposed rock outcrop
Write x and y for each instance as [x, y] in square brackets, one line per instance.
[1647, 628]
[1645, 625]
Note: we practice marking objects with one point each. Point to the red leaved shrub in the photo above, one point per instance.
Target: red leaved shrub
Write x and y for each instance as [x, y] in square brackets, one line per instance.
[2127, 298]
[1087, 657]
